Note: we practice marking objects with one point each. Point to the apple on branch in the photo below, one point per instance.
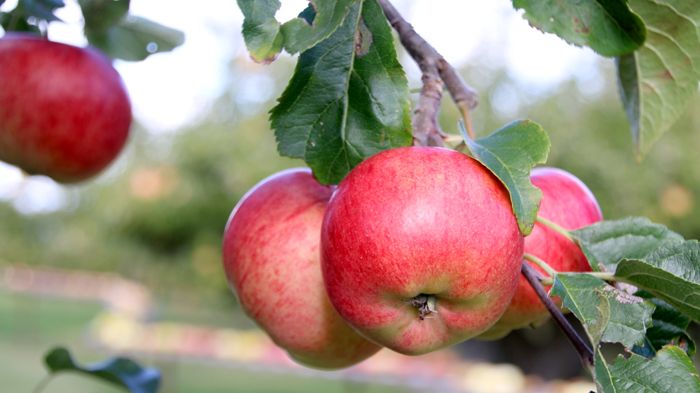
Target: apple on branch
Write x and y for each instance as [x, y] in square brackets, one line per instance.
[420, 248]
[567, 202]
[272, 261]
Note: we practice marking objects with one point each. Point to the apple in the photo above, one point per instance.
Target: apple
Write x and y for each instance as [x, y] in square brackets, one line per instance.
[64, 111]
[272, 261]
[420, 249]
[567, 202]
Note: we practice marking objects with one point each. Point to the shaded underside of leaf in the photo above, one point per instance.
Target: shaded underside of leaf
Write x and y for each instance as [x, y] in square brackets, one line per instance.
[659, 79]
[607, 313]
[347, 100]
[607, 242]
[669, 328]
[510, 153]
[606, 26]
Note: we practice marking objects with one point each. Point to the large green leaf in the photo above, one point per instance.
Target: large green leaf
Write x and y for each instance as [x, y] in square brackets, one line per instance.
[607, 26]
[607, 313]
[134, 38]
[348, 98]
[261, 31]
[510, 153]
[671, 272]
[658, 80]
[119, 371]
[300, 34]
[670, 371]
[669, 327]
[607, 242]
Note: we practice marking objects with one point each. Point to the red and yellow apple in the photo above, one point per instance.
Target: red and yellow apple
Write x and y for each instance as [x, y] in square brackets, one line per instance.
[567, 202]
[64, 111]
[420, 249]
[272, 261]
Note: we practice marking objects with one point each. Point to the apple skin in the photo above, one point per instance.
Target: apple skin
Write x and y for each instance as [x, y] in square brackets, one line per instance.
[566, 201]
[420, 221]
[64, 111]
[272, 261]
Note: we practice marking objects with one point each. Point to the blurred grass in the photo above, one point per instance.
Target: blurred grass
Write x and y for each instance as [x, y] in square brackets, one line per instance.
[31, 325]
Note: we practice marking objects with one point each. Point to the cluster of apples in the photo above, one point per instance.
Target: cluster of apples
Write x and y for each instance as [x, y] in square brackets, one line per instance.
[415, 250]
[64, 111]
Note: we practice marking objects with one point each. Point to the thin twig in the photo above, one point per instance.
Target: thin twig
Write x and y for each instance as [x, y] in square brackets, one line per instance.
[541, 263]
[581, 346]
[437, 73]
[555, 227]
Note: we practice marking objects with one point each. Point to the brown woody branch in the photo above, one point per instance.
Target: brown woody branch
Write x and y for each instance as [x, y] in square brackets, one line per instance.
[437, 73]
[584, 351]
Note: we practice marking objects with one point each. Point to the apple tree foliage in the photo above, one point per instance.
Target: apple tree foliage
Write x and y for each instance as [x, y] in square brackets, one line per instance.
[348, 99]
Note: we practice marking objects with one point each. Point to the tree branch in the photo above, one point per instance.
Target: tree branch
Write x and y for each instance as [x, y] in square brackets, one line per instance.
[584, 351]
[437, 73]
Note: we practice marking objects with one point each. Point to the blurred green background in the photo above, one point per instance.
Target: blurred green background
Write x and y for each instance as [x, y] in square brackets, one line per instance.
[158, 214]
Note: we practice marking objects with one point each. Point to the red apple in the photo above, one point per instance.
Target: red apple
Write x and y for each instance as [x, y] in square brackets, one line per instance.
[567, 202]
[64, 112]
[272, 261]
[420, 249]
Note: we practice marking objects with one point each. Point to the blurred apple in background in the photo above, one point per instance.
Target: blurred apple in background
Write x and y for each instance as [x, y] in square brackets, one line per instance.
[64, 111]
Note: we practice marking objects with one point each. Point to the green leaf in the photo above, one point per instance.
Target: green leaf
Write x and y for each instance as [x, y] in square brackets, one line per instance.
[40, 9]
[607, 242]
[510, 153]
[135, 38]
[606, 26]
[671, 272]
[119, 371]
[670, 371]
[347, 100]
[669, 327]
[100, 15]
[261, 31]
[607, 313]
[300, 35]
[658, 81]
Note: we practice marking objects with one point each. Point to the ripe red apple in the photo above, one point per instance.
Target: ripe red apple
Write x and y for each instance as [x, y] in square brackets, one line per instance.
[420, 249]
[272, 261]
[64, 111]
[567, 202]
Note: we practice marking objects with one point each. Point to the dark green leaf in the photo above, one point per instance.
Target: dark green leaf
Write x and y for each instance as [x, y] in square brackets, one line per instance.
[671, 272]
[607, 313]
[100, 15]
[16, 21]
[510, 153]
[607, 26]
[261, 31]
[670, 371]
[658, 80]
[40, 9]
[347, 99]
[606, 243]
[135, 38]
[669, 327]
[300, 35]
[119, 371]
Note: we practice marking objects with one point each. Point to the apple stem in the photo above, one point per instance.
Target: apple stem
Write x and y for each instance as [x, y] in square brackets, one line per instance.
[437, 73]
[555, 227]
[541, 263]
[584, 350]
